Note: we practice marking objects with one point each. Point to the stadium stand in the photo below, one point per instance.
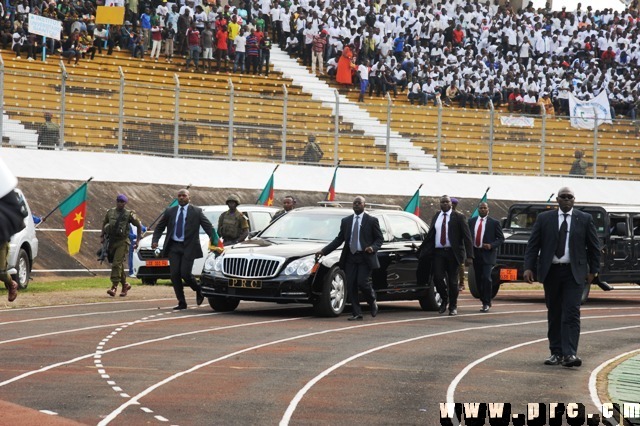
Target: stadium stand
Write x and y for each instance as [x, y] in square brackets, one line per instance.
[487, 49]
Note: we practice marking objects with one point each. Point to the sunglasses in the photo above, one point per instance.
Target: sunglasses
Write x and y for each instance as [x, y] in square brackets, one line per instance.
[566, 196]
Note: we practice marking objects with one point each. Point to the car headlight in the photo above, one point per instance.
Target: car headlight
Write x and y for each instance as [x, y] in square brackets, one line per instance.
[210, 262]
[217, 263]
[300, 266]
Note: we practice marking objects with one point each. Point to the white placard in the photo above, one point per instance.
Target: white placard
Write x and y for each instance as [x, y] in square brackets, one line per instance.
[516, 121]
[47, 27]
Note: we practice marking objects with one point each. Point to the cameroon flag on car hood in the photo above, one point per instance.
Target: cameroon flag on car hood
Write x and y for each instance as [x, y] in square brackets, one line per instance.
[74, 210]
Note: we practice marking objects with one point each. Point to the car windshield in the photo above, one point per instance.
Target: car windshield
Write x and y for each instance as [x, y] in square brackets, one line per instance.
[524, 217]
[305, 226]
[213, 218]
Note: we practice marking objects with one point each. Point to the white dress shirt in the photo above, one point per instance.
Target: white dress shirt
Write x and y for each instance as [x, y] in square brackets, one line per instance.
[565, 258]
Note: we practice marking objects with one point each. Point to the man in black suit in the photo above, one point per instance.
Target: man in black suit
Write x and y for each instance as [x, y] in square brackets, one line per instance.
[182, 244]
[565, 248]
[362, 238]
[487, 236]
[446, 245]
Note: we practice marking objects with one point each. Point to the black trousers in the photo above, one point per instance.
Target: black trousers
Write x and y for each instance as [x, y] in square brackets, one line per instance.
[180, 270]
[445, 276]
[483, 277]
[563, 295]
[357, 270]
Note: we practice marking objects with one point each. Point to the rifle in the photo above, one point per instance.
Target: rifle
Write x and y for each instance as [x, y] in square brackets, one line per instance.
[103, 251]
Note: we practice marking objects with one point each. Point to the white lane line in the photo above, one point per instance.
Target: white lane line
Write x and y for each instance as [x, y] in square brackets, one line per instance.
[286, 418]
[79, 315]
[135, 399]
[34, 308]
[162, 419]
[452, 387]
[146, 410]
[49, 412]
[107, 338]
[593, 389]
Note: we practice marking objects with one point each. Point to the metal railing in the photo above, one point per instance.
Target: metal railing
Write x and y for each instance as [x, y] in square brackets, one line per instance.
[178, 118]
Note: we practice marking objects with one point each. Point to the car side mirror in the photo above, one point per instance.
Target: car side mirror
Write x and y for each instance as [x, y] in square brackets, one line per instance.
[253, 234]
[621, 229]
[503, 222]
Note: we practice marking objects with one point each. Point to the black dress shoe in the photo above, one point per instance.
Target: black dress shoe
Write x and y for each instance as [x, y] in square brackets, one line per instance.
[453, 312]
[571, 361]
[485, 308]
[355, 318]
[443, 309]
[199, 298]
[374, 309]
[179, 307]
[553, 360]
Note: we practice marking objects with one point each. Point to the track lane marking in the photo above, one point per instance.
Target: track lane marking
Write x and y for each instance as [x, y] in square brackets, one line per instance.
[132, 345]
[298, 397]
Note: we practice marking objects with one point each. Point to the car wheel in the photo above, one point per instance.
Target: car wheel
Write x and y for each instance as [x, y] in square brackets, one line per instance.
[149, 281]
[585, 294]
[24, 270]
[223, 304]
[473, 288]
[432, 300]
[334, 294]
[471, 279]
[495, 288]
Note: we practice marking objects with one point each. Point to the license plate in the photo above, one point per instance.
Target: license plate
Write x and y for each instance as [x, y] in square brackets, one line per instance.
[508, 274]
[245, 283]
[157, 263]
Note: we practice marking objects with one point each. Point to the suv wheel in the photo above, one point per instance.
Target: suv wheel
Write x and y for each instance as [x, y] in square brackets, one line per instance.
[585, 294]
[471, 280]
[223, 304]
[431, 300]
[24, 270]
[473, 286]
[334, 294]
[149, 281]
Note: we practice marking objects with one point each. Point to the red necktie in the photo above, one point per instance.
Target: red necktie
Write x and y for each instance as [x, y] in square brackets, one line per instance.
[479, 234]
[443, 231]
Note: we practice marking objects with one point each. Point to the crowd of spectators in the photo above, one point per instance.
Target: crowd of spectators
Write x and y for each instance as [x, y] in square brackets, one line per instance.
[465, 52]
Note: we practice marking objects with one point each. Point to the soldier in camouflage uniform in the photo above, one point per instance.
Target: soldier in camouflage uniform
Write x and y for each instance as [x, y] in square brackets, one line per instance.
[116, 227]
[232, 225]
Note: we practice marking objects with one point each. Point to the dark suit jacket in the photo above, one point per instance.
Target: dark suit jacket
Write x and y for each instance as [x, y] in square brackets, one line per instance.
[195, 219]
[458, 233]
[370, 236]
[584, 246]
[492, 235]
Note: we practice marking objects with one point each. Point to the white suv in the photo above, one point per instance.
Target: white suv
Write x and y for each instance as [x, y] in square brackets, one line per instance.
[23, 248]
[149, 268]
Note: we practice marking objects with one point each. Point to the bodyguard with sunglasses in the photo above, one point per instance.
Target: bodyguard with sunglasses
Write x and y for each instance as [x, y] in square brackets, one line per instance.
[565, 248]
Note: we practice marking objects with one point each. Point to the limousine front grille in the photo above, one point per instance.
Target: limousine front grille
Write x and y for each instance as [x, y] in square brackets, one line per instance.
[512, 249]
[251, 267]
[146, 254]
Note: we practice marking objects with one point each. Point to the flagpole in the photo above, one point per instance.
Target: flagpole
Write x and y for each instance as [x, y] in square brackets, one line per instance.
[272, 173]
[550, 197]
[60, 203]
[335, 170]
[475, 212]
[84, 266]
[160, 215]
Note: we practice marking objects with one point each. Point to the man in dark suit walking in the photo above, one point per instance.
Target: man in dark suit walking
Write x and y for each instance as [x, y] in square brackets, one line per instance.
[182, 244]
[446, 245]
[362, 238]
[565, 248]
[487, 236]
